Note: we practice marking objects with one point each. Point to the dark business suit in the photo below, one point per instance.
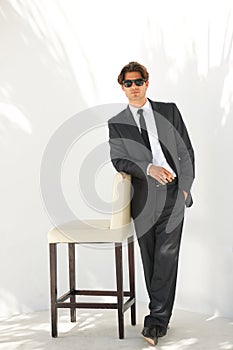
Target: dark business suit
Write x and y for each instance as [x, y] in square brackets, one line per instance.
[157, 210]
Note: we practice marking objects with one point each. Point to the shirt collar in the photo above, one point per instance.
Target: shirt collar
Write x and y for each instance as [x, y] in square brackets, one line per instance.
[146, 107]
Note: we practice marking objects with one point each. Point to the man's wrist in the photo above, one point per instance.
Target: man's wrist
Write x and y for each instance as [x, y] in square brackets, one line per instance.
[148, 169]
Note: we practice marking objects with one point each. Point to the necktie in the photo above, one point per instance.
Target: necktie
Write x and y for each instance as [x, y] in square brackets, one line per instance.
[144, 132]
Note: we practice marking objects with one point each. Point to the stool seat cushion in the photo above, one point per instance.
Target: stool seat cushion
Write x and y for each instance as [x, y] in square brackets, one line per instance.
[89, 231]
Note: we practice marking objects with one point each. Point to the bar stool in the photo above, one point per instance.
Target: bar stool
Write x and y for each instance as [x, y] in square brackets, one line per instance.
[117, 230]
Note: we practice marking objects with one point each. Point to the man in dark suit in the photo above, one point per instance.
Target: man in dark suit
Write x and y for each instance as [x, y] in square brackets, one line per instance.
[149, 140]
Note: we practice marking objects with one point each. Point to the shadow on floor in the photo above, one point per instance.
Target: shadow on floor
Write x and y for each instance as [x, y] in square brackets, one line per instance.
[97, 329]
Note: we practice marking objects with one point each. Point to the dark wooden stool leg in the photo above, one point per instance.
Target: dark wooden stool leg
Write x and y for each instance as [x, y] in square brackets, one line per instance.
[53, 286]
[72, 279]
[132, 278]
[120, 295]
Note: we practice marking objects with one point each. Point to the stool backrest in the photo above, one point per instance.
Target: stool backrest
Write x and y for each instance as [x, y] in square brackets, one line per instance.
[121, 197]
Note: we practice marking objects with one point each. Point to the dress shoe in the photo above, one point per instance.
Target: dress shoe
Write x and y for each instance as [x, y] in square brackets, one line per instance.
[151, 334]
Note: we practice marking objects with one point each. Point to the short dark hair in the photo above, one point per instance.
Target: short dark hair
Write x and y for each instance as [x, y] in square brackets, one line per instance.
[133, 67]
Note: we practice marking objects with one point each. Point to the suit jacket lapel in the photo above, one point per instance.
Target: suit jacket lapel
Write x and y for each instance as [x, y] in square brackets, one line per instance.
[162, 124]
[133, 128]
[135, 134]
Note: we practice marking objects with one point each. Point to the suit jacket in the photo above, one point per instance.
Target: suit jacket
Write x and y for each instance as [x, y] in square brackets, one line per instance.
[129, 154]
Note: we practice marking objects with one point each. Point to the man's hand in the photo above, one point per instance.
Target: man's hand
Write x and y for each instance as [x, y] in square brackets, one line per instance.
[185, 195]
[123, 174]
[160, 174]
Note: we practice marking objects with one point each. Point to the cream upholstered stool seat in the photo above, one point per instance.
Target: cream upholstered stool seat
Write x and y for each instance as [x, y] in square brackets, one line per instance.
[116, 230]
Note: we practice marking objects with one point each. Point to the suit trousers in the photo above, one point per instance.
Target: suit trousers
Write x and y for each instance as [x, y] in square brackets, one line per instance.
[159, 248]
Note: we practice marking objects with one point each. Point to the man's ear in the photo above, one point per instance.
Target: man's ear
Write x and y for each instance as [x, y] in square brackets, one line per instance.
[147, 83]
[122, 86]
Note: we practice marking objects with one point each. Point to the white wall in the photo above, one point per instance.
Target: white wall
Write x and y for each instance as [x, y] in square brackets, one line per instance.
[60, 58]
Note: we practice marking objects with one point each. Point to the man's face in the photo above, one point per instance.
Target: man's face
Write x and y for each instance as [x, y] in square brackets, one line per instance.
[135, 94]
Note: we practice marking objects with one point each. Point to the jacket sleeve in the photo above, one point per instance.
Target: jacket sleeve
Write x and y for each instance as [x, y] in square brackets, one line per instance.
[185, 152]
[120, 158]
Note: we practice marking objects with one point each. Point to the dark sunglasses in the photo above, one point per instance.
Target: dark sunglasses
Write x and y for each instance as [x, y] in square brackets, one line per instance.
[129, 83]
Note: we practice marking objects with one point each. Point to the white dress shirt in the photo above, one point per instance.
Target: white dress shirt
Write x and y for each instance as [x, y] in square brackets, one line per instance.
[157, 153]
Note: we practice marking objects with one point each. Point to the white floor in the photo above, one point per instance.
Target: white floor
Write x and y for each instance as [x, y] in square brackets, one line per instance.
[97, 329]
